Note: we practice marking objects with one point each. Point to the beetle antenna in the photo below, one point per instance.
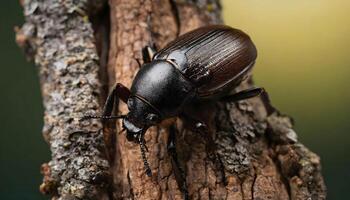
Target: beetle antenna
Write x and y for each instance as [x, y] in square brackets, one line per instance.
[144, 144]
[143, 154]
[102, 117]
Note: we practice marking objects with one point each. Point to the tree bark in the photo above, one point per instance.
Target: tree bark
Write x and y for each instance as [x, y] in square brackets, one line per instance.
[81, 51]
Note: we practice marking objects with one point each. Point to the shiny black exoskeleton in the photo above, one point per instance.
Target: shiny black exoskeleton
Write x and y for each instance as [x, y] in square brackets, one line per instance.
[204, 64]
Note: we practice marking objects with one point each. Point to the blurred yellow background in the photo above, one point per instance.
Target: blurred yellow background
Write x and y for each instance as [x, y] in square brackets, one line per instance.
[304, 63]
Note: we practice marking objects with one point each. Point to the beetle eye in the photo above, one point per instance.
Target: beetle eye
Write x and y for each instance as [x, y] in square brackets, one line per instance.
[152, 118]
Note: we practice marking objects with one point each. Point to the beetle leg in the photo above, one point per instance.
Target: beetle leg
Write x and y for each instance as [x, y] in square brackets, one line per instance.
[201, 128]
[119, 91]
[178, 171]
[138, 62]
[148, 53]
[175, 11]
[244, 94]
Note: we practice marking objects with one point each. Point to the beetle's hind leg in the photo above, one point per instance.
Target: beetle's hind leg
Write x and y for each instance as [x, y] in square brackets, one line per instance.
[178, 171]
[244, 94]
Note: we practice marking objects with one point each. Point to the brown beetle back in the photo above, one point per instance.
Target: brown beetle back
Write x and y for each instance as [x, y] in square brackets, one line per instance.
[214, 58]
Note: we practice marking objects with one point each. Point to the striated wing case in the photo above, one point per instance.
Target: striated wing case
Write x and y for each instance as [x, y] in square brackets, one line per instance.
[214, 58]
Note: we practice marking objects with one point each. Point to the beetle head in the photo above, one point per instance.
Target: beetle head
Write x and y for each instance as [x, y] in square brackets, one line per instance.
[140, 117]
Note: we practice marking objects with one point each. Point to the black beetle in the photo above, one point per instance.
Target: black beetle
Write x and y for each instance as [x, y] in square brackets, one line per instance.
[202, 65]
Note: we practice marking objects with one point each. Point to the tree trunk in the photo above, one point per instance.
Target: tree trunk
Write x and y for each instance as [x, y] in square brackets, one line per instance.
[83, 47]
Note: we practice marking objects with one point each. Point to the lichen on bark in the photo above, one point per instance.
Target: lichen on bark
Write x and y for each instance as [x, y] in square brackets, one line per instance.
[59, 37]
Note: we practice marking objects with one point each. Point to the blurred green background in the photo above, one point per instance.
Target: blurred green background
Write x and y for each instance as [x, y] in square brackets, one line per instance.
[304, 63]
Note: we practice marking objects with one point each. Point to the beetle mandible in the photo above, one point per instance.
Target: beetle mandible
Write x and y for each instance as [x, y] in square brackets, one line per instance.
[202, 65]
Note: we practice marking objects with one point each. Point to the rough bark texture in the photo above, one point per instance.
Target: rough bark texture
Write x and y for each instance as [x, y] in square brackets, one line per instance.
[261, 155]
[58, 35]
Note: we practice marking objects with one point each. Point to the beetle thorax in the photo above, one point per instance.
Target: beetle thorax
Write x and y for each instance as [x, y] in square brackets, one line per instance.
[163, 87]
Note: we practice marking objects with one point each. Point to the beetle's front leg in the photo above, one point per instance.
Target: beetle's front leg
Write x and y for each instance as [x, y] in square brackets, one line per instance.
[119, 91]
[178, 171]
